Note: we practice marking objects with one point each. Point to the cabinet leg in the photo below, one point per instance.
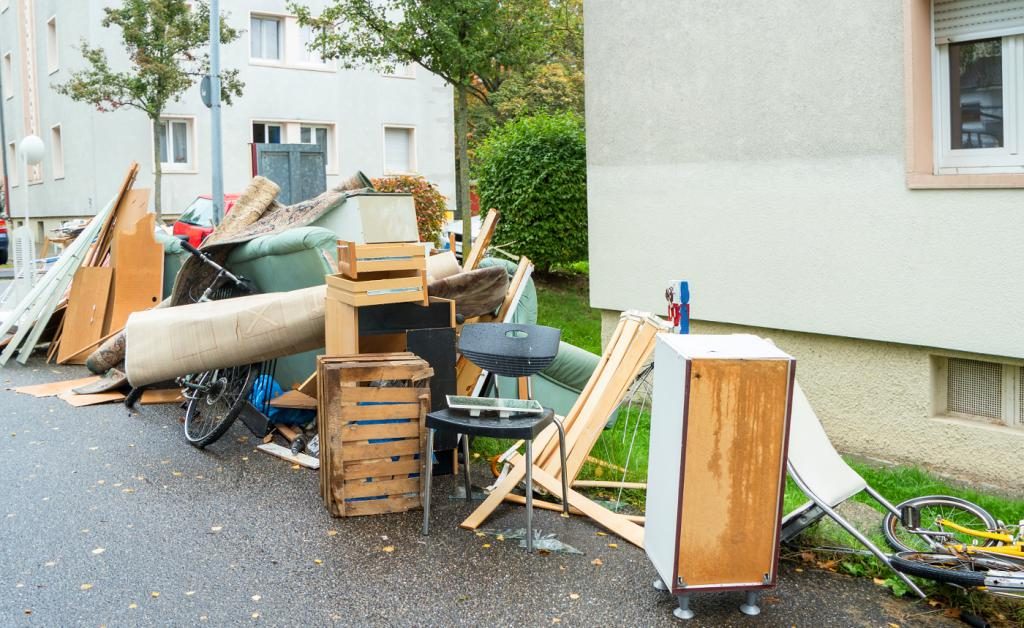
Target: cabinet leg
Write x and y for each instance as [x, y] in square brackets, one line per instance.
[751, 605]
[683, 612]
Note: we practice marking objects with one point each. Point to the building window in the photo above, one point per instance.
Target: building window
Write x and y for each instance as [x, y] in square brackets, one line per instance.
[306, 53]
[265, 38]
[8, 75]
[266, 133]
[176, 143]
[399, 150]
[402, 70]
[12, 164]
[313, 135]
[52, 46]
[57, 151]
[992, 392]
[979, 86]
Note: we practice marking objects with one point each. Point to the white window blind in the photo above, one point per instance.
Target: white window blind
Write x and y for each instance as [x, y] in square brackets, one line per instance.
[397, 149]
[966, 20]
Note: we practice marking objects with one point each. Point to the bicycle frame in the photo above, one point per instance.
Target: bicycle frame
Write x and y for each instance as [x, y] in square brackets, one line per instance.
[1013, 548]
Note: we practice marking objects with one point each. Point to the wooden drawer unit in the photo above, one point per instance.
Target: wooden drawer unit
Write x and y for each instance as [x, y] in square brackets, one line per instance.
[717, 466]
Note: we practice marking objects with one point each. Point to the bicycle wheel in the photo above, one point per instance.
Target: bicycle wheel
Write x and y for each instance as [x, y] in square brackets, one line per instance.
[945, 568]
[932, 507]
[214, 400]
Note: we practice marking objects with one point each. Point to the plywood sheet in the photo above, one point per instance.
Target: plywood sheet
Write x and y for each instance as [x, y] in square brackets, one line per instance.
[138, 262]
[294, 399]
[55, 388]
[168, 395]
[133, 208]
[732, 465]
[86, 313]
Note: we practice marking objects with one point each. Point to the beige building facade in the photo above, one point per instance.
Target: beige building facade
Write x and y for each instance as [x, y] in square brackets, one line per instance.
[844, 178]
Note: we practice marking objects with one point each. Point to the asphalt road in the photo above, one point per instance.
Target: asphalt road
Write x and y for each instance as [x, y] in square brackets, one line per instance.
[111, 519]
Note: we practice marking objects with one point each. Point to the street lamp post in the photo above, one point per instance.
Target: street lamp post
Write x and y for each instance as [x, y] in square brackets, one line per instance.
[32, 151]
[215, 128]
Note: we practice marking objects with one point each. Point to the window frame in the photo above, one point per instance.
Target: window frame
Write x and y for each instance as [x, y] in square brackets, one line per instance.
[413, 162]
[52, 45]
[922, 150]
[281, 39]
[8, 74]
[191, 166]
[291, 133]
[12, 165]
[57, 152]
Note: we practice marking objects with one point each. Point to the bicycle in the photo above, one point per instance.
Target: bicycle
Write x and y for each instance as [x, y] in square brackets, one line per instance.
[989, 558]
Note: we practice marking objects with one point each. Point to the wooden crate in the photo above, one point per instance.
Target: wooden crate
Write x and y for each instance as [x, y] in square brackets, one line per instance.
[354, 259]
[372, 435]
[396, 286]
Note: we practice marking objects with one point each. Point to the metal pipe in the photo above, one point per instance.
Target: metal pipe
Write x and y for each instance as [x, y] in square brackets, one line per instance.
[217, 159]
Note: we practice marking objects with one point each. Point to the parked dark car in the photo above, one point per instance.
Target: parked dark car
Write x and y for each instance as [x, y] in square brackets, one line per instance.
[196, 222]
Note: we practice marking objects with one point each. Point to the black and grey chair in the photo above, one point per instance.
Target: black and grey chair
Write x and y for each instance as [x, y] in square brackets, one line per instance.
[508, 350]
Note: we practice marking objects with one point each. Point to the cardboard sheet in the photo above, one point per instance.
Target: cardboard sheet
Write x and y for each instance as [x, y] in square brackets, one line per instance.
[91, 400]
[170, 342]
[55, 388]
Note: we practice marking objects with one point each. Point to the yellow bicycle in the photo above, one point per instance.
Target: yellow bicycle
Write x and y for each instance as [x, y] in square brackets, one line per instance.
[989, 557]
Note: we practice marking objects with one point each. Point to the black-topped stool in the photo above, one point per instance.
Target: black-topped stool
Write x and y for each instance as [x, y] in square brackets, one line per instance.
[508, 350]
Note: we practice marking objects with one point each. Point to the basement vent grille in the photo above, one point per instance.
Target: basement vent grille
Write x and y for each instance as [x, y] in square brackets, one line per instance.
[975, 388]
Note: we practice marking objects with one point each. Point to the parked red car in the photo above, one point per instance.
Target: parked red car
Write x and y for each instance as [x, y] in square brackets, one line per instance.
[196, 222]
[3, 241]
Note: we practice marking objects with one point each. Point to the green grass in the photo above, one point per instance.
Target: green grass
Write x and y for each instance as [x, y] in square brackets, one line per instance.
[563, 302]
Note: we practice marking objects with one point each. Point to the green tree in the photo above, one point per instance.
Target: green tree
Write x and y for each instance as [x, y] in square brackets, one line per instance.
[471, 44]
[165, 41]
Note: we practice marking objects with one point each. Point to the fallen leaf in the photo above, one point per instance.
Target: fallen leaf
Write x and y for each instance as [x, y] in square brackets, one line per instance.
[574, 596]
[880, 582]
[597, 562]
[28, 611]
[245, 458]
[189, 593]
[85, 587]
[332, 533]
[952, 612]
[486, 545]
[90, 449]
[155, 594]
[318, 561]
[256, 598]
[216, 528]
[480, 534]
[613, 545]
[127, 490]
[177, 474]
[165, 462]
[601, 534]
[98, 550]
[101, 481]
[388, 549]
[798, 570]
[133, 605]
[555, 620]
[500, 537]
[255, 615]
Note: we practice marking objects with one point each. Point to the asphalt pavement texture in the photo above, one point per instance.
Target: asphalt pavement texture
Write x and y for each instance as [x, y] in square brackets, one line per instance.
[112, 519]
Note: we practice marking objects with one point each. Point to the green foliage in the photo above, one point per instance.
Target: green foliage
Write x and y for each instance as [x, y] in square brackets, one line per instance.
[165, 42]
[430, 203]
[534, 170]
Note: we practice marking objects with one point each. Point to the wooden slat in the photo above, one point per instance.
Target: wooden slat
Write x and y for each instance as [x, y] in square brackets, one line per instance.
[366, 451]
[337, 282]
[382, 393]
[382, 467]
[381, 411]
[356, 431]
[356, 299]
[284, 453]
[479, 246]
[361, 488]
[400, 371]
[294, 399]
[381, 506]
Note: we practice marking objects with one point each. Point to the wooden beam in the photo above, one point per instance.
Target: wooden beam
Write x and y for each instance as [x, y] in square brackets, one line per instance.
[608, 484]
[479, 246]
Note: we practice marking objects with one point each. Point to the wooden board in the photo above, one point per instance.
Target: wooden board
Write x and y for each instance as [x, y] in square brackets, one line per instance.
[91, 400]
[732, 465]
[167, 395]
[138, 262]
[284, 453]
[483, 240]
[86, 315]
[294, 399]
[55, 388]
[134, 206]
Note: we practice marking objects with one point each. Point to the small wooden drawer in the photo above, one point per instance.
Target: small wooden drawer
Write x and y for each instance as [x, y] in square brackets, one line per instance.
[357, 259]
[396, 286]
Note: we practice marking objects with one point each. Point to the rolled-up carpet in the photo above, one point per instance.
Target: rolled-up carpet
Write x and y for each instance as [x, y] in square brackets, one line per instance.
[170, 342]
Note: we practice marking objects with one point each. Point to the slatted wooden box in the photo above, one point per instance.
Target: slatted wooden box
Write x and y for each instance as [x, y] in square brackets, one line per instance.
[375, 274]
[371, 412]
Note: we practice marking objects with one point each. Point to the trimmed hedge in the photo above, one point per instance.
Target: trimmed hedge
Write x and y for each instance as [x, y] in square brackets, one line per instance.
[534, 171]
[430, 203]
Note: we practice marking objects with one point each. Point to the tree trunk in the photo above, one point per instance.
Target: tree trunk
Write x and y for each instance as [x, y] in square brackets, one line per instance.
[157, 169]
[462, 167]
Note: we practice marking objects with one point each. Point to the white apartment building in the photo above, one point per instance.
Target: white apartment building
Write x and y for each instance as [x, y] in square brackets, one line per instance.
[369, 121]
[845, 178]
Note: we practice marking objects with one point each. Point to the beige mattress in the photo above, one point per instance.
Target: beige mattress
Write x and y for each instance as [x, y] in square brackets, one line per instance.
[170, 342]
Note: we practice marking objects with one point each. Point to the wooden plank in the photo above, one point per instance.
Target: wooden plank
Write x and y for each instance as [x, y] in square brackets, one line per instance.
[356, 299]
[289, 432]
[478, 247]
[284, 453]
[83, 355]
[341, 328]
[133, 207]
[55, 388]
[382, 411]
[90, 400]
[308, 387]
[373, 431]
[367, 451]
[608, 484]
[102, 246]
[138, 262]
[166, 395]
[382, 467]
[86, 315]
[378, 393]
[733, 457]
[363, 488]
[294, 399]
[400, 371]
[337, 283]
[382, 506]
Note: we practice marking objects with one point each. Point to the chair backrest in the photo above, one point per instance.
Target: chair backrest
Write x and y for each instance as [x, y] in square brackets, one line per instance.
[509, 349]
[814, 461]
